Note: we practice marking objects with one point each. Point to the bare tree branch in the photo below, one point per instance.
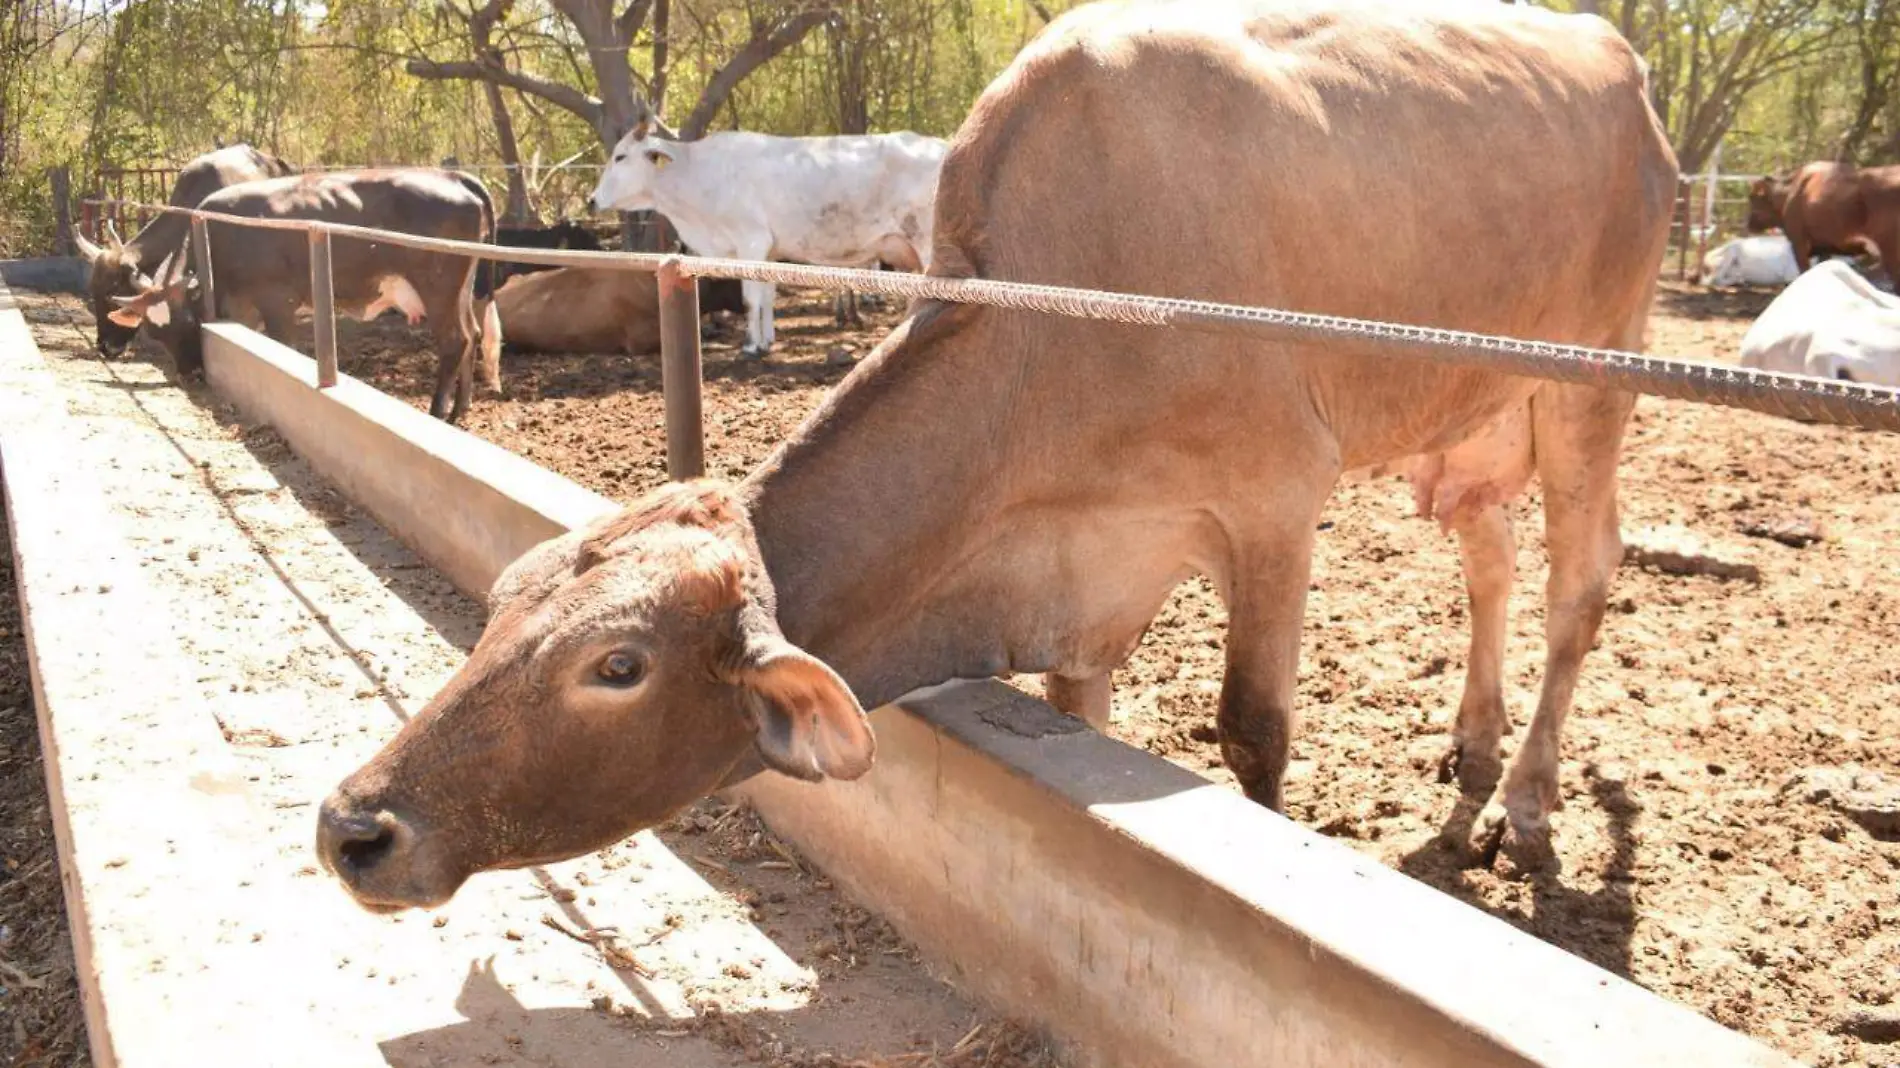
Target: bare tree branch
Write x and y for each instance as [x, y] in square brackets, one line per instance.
[555, 93]
[766, 42]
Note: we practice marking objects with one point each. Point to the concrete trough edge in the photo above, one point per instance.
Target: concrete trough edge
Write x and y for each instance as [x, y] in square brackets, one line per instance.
[1141, 914]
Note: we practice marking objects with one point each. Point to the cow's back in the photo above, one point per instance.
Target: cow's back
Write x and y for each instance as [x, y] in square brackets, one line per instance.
[232, 165]
[421, 201]
[1830, 320]
[1409, 164]
[573, 309]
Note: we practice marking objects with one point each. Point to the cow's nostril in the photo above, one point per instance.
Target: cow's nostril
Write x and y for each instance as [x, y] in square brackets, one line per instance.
[362, 854]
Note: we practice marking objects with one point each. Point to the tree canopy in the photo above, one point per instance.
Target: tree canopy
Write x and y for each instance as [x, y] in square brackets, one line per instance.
[90, 84]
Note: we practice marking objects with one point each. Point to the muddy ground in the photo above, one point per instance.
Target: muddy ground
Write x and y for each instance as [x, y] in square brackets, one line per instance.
[314, 635]
[1703, 854]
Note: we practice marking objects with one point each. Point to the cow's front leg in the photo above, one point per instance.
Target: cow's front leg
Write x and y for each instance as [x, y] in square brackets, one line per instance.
[758, 318]
[1266, 598]
[1086, 698]
[1489, 553]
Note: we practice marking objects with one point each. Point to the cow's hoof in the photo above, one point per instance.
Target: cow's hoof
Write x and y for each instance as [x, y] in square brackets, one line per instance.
[1510, 847]
[750, 353]
[1477, 771]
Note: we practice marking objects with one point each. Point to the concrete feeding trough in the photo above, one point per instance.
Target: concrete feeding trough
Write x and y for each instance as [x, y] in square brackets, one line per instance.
[1142, 914]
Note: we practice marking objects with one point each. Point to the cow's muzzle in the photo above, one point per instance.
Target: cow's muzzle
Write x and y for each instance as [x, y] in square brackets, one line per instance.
[376, 854]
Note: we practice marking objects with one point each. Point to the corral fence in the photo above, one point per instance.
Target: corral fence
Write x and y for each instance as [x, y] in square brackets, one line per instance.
[118, 196]
[1821, 400]
[1710, 209]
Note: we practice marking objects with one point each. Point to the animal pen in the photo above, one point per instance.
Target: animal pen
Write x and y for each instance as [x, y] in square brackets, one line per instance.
[1163, 921]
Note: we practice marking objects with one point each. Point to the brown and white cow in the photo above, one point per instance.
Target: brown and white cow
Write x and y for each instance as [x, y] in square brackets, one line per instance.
[998, 491]
[113, 270]
[575, 309]
[263, 276]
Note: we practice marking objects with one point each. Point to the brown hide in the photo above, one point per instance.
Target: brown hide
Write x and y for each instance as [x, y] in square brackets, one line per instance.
[573, 309]
[999, 491]
[1830, 208]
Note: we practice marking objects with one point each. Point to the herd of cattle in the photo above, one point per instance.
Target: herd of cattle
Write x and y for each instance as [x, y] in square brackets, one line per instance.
[860, 201]
[710, 632]
[1830, 321]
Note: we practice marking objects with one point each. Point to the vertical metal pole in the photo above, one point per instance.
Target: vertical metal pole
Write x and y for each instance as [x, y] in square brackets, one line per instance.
[680, 372]
[323, 308]
[201, 251]
[1682, 250]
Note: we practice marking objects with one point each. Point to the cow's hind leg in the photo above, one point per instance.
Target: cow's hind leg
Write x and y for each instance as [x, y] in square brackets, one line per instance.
[454, 369]
[1489, 553]
[1577, 433]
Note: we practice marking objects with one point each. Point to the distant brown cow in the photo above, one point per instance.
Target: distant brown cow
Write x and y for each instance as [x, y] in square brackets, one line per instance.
[576, 309]
[1832, 209]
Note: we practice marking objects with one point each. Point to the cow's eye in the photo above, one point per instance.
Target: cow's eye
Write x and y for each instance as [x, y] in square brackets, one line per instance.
[619, 156]
[621, 668]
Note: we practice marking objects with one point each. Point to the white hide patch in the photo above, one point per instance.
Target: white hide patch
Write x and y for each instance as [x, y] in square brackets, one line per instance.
[394, 291]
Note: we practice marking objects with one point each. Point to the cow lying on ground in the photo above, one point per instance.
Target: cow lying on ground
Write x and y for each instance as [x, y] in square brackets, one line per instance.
[1832, 209]
[112, 270]
[1831, 323]
[960, 508]
[572, 309]
[1762, 260]
[564, 234]
[833, 201]
[263, 276]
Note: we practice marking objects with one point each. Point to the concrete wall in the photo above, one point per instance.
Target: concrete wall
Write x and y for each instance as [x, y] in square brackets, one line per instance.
[1143, 915]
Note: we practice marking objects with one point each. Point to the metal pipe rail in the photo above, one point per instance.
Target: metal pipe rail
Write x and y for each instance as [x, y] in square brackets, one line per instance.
[1843, 403]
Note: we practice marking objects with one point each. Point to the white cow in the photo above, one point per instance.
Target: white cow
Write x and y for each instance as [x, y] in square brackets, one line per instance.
[833, 201]
[1762, 260]
[1831, 323]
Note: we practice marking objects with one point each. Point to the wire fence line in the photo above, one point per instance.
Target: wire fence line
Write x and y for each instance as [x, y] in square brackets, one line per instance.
[1837, 402]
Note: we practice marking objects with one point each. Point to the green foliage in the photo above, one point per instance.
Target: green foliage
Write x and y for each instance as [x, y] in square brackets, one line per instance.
[88, 84]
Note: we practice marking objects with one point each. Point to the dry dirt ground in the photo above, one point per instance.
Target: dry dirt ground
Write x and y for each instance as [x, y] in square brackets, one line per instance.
[311, 635]
[1705, 854]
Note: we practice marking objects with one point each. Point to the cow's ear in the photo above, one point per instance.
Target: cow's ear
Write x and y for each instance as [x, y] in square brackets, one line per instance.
[659, 156]
[134, 310]
[810, 726]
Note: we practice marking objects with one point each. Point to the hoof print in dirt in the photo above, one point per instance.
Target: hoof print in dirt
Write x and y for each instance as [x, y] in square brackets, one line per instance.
[1869, 798]
[1880, 1025]
[1794, 531]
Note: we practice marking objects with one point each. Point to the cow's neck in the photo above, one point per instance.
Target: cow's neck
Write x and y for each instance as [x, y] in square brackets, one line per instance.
[868, 519]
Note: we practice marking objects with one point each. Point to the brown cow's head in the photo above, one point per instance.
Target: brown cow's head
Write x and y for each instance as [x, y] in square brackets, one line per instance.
[112, 272]
[170, 308]
[627, 670]
[1767, 197]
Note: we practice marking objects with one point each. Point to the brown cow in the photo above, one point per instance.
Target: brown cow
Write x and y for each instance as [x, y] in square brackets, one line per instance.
[997, 491]
[112, 271]
[575, 309]
[1832, 209]
[263, 276]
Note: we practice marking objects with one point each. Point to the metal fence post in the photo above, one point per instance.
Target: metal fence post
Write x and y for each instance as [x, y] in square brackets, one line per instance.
[680, 372]
[201, 251]
[323, 308]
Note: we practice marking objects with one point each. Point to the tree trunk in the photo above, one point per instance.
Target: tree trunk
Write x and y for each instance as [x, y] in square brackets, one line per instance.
[481, 28]
[662, 25]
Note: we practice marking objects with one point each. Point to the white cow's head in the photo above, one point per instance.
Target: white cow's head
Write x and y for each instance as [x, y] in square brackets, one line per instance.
[627, 183]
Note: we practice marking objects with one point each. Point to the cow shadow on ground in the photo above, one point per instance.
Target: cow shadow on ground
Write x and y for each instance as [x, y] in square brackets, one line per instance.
[1597, 925]
[1696, 302]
